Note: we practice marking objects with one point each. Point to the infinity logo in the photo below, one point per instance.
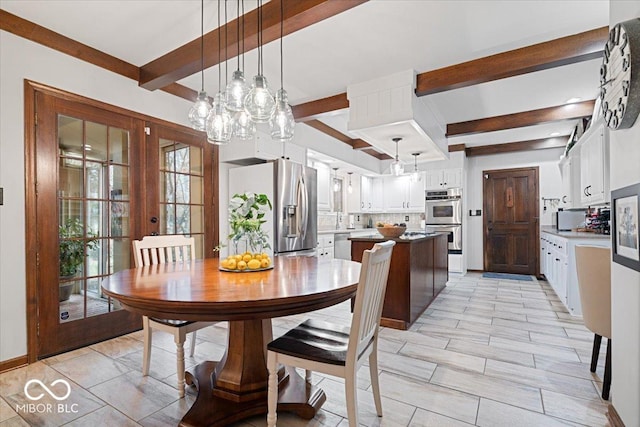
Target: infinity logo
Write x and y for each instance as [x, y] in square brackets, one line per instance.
[52, 394]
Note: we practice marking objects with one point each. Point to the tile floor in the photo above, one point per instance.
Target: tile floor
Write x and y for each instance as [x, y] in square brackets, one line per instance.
[487, 352]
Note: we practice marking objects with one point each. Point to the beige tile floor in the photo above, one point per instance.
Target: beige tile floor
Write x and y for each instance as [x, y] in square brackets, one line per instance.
[487, 352]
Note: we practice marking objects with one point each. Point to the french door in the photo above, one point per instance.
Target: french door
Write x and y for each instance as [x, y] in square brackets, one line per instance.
[103, 178]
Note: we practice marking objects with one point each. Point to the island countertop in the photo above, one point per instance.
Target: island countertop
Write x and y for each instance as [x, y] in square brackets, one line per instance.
[376, 237]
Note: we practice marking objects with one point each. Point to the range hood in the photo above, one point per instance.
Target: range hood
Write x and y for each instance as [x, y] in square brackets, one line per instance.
[387, 108]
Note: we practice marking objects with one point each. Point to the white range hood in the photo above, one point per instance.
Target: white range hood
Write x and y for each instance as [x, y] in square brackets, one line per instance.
[386, 108]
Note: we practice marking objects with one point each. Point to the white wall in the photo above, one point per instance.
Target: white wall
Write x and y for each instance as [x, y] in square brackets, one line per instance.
[625, 283]
[550, 187]
[21, 60]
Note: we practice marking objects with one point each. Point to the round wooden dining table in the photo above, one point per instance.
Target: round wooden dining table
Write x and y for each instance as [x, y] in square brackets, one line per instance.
[235, 387]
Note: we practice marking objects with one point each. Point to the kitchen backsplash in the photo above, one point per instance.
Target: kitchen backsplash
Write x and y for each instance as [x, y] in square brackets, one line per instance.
[327, 220]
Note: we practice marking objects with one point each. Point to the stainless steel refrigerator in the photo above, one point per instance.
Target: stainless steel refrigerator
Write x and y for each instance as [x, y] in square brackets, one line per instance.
[292, 189]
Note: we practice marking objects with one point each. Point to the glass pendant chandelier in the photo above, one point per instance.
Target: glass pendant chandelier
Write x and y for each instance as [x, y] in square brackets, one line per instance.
[396, 166]
[415, 175]
[237, 88]
[349, 186]
[219, 120]
[259, 102]
[281, 122]
[200, 110]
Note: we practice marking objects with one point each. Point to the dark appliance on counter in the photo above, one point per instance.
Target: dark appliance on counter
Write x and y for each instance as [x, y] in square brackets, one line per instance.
[443, 214]
[567, 220]
[599, 220]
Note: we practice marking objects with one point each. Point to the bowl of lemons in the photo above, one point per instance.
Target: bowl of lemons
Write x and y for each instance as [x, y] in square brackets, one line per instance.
[391, 231]
[246, 262]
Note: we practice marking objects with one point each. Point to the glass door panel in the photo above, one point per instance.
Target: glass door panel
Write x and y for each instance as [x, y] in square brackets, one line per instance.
[93, 201]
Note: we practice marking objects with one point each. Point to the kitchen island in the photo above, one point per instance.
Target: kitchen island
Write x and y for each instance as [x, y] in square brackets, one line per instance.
[418, 272]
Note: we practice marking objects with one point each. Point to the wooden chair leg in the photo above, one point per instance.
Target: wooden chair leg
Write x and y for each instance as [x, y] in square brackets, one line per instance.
[375, 383]
[352, 398]
[272, 393]
[193, 343]
[179, 338]
[597, 339]
[146, 351]
[606, 385]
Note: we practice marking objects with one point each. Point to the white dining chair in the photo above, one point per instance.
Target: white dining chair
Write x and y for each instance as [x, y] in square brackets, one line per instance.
[153, 250]
[335, 349]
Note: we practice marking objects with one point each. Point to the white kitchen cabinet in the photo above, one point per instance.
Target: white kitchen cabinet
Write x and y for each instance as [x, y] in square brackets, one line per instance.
[324, 187]
[594, 165]
[324, 247]
[570, 172]
[372, 194]
[441, 179]
[558, 264]
[354, 199]
[403, 195]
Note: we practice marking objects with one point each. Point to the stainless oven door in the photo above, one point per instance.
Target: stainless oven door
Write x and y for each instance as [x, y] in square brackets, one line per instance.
[444, 211]
[454, 238]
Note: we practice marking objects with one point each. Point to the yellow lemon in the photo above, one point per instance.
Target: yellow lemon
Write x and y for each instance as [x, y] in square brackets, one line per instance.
[238, 257]
[257, 256]
[246, 257]
[264, 263]
[265, 255]
[254, 264]
[224, 263]
[232, 264]
[248, 253]
[242, 265]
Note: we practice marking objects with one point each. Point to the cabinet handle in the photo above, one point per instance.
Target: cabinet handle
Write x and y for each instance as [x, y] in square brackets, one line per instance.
[585, 191]
[588, 190]
[557, 259]
[564, 199]
[548, 253]
[362, 205]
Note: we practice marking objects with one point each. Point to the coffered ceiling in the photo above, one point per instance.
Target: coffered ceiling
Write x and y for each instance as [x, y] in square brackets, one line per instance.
[331, 44]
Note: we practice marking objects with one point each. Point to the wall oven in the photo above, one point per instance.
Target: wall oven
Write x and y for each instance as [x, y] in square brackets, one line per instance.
[443, 214]
[444, 207]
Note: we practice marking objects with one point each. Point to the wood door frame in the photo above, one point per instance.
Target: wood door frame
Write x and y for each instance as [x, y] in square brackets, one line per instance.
[30, 90]
[536, 169]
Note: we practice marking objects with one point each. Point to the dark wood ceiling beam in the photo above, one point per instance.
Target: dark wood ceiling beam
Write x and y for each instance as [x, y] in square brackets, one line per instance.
[45, 37]
[510, 147]
[542, 56]
[522, 119]
[378, 155]
[185, 60]
[457, 147]
[313, 109]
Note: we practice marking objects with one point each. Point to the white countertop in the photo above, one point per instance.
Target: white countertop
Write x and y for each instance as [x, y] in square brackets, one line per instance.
[574, 234]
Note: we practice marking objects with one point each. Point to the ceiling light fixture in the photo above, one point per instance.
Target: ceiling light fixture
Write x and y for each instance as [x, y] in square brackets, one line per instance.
[243, 127]
[572, 100]
[415, 175]
[350, 187]
[281, 122]
[201, 108]
[336, 184]
[396, 166]
[259, 102]
[219, 119]
[237, 88]
[554, 134]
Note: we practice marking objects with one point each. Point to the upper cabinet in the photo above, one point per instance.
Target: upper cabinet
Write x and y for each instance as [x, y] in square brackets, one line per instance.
[324, 187]
[570, 172]
[403, 195]
[441, 179]
[594, 165]
[371, 194]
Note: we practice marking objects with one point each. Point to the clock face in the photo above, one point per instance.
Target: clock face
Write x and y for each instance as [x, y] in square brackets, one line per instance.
[619, 80]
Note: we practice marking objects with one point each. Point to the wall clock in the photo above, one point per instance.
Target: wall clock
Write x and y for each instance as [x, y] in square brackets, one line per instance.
[620, 75]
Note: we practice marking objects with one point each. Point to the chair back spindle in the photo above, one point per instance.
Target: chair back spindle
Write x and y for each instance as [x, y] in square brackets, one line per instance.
[152, 250]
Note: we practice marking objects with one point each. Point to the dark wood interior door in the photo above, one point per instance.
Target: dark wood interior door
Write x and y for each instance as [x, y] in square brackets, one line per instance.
[510, 199]
[87, 162]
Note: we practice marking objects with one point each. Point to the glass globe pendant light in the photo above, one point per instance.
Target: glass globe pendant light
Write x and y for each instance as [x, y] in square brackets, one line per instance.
[281, 122]
[200, 110]
[259, 102]
[242, 126]
[336, 183]
[219, 128]
[415, 175]
[396, 166]
[237, 88]
[350, 187]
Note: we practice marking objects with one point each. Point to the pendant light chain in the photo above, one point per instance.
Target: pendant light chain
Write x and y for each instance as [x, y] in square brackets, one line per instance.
[281, 34]
[226, 43]
[238, 33]
[202, 45]
[243, 35]
[219, 49]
